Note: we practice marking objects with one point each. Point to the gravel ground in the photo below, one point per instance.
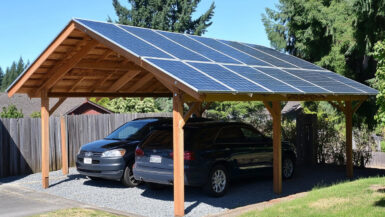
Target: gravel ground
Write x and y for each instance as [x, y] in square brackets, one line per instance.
[146, 202]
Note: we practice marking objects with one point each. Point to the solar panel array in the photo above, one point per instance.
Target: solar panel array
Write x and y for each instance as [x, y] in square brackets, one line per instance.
[219, 66]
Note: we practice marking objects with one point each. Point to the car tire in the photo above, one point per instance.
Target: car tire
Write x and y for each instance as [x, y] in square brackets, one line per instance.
[93, 178]
[287, 167]
[218, 181]
[128, 177]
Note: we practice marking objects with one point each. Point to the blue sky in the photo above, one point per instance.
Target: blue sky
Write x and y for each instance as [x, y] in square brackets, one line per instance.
[27, 27]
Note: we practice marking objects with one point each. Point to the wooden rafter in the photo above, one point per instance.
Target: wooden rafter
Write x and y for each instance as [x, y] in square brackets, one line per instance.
[110, 95]
[127, 77]
[194, 106]
[59, 72]
[140, 83]
[104, 55]
[58, 103]
[76, 84]
[104, 65]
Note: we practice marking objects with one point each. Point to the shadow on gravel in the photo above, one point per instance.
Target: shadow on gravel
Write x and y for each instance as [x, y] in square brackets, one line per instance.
[254, 190]
[68, 179]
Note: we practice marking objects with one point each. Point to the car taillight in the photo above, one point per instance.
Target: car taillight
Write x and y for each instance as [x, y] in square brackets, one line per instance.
[139, 152]
[188, 155]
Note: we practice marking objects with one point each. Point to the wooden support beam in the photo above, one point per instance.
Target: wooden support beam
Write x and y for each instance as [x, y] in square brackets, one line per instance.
[275, 111]
[192, 108]
[178, 151]
[60, 70]
[127, 77]
[277, 149]
[58, 103]
[64, 152]
[349, 138]
[105, 65]
[140, 83]
[110, 95]
[45, 138]
[268, 107]
[356, 106]
[76, 84]
[42, 58]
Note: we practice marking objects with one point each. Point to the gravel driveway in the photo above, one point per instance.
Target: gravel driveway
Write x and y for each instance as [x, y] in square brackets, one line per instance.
[147, 202]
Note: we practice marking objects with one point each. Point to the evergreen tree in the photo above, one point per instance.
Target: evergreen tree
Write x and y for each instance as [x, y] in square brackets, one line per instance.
[1, 76]
[11, 73]
[336, 34]
[168, 15]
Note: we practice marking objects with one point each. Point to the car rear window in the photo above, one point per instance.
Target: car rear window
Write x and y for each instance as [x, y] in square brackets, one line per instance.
[163, 139]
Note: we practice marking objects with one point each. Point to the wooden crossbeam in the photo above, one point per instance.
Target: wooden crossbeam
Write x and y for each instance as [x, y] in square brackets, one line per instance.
[76, 84]
[194, 106]
[104, 65]
[104, 94]
[60, 71]
[58, 103]
[140, 83]
[268, 107]
[355, 108]
[104, 55]
[127, 77]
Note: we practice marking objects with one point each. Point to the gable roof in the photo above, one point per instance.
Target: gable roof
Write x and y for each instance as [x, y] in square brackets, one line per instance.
[98, 58]
[87, 105]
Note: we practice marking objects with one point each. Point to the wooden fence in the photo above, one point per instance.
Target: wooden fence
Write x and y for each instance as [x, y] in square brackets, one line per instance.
[20, 139]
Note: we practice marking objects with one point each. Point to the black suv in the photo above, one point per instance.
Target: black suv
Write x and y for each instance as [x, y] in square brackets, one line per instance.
[215, 153]
[113, 156]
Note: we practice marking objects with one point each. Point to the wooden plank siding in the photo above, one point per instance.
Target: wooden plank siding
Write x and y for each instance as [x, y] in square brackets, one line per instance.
[20, 139]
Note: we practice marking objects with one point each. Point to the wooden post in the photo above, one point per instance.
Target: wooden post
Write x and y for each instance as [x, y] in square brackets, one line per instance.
[45, 138]
[349, 149]
[178, 150]
[277, 151]
[64, 153]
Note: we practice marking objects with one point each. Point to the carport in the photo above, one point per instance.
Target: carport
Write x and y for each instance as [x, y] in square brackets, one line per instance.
[95, 59]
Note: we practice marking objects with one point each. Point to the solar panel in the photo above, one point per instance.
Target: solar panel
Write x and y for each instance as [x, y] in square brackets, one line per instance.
[165, 44]
[228, 78]
[260, 55]
[192, 77]
[270, 82]
[216, 45]
[124, 39]
[291, 59]
[212, 65]
[198, 47]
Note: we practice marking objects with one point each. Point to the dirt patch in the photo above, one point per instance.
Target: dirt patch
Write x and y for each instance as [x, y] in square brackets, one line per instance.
[328, 202]
[378, 188]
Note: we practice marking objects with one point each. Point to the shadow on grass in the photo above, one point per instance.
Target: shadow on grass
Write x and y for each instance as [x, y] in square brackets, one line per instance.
[380, 202]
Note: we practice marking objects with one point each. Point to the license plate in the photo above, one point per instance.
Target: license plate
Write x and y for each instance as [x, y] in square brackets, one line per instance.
[155, 159]
[87, 160]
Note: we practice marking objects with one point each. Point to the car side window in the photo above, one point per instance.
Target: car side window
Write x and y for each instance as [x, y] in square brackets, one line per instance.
[251, 135]
[230, 135]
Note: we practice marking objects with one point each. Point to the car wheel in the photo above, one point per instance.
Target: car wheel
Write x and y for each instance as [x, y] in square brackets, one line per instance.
[218, 181]
[94, 178]
[128, 177]
[287, 167]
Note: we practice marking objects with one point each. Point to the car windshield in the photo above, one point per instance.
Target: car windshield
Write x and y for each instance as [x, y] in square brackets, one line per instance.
[133, 130]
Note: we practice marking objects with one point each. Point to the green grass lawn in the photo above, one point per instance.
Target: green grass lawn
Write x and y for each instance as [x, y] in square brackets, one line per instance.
[77, 212]
[363, 197]
[383, 146]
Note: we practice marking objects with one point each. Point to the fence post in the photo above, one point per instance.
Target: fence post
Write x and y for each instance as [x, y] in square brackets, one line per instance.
[64, 153]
